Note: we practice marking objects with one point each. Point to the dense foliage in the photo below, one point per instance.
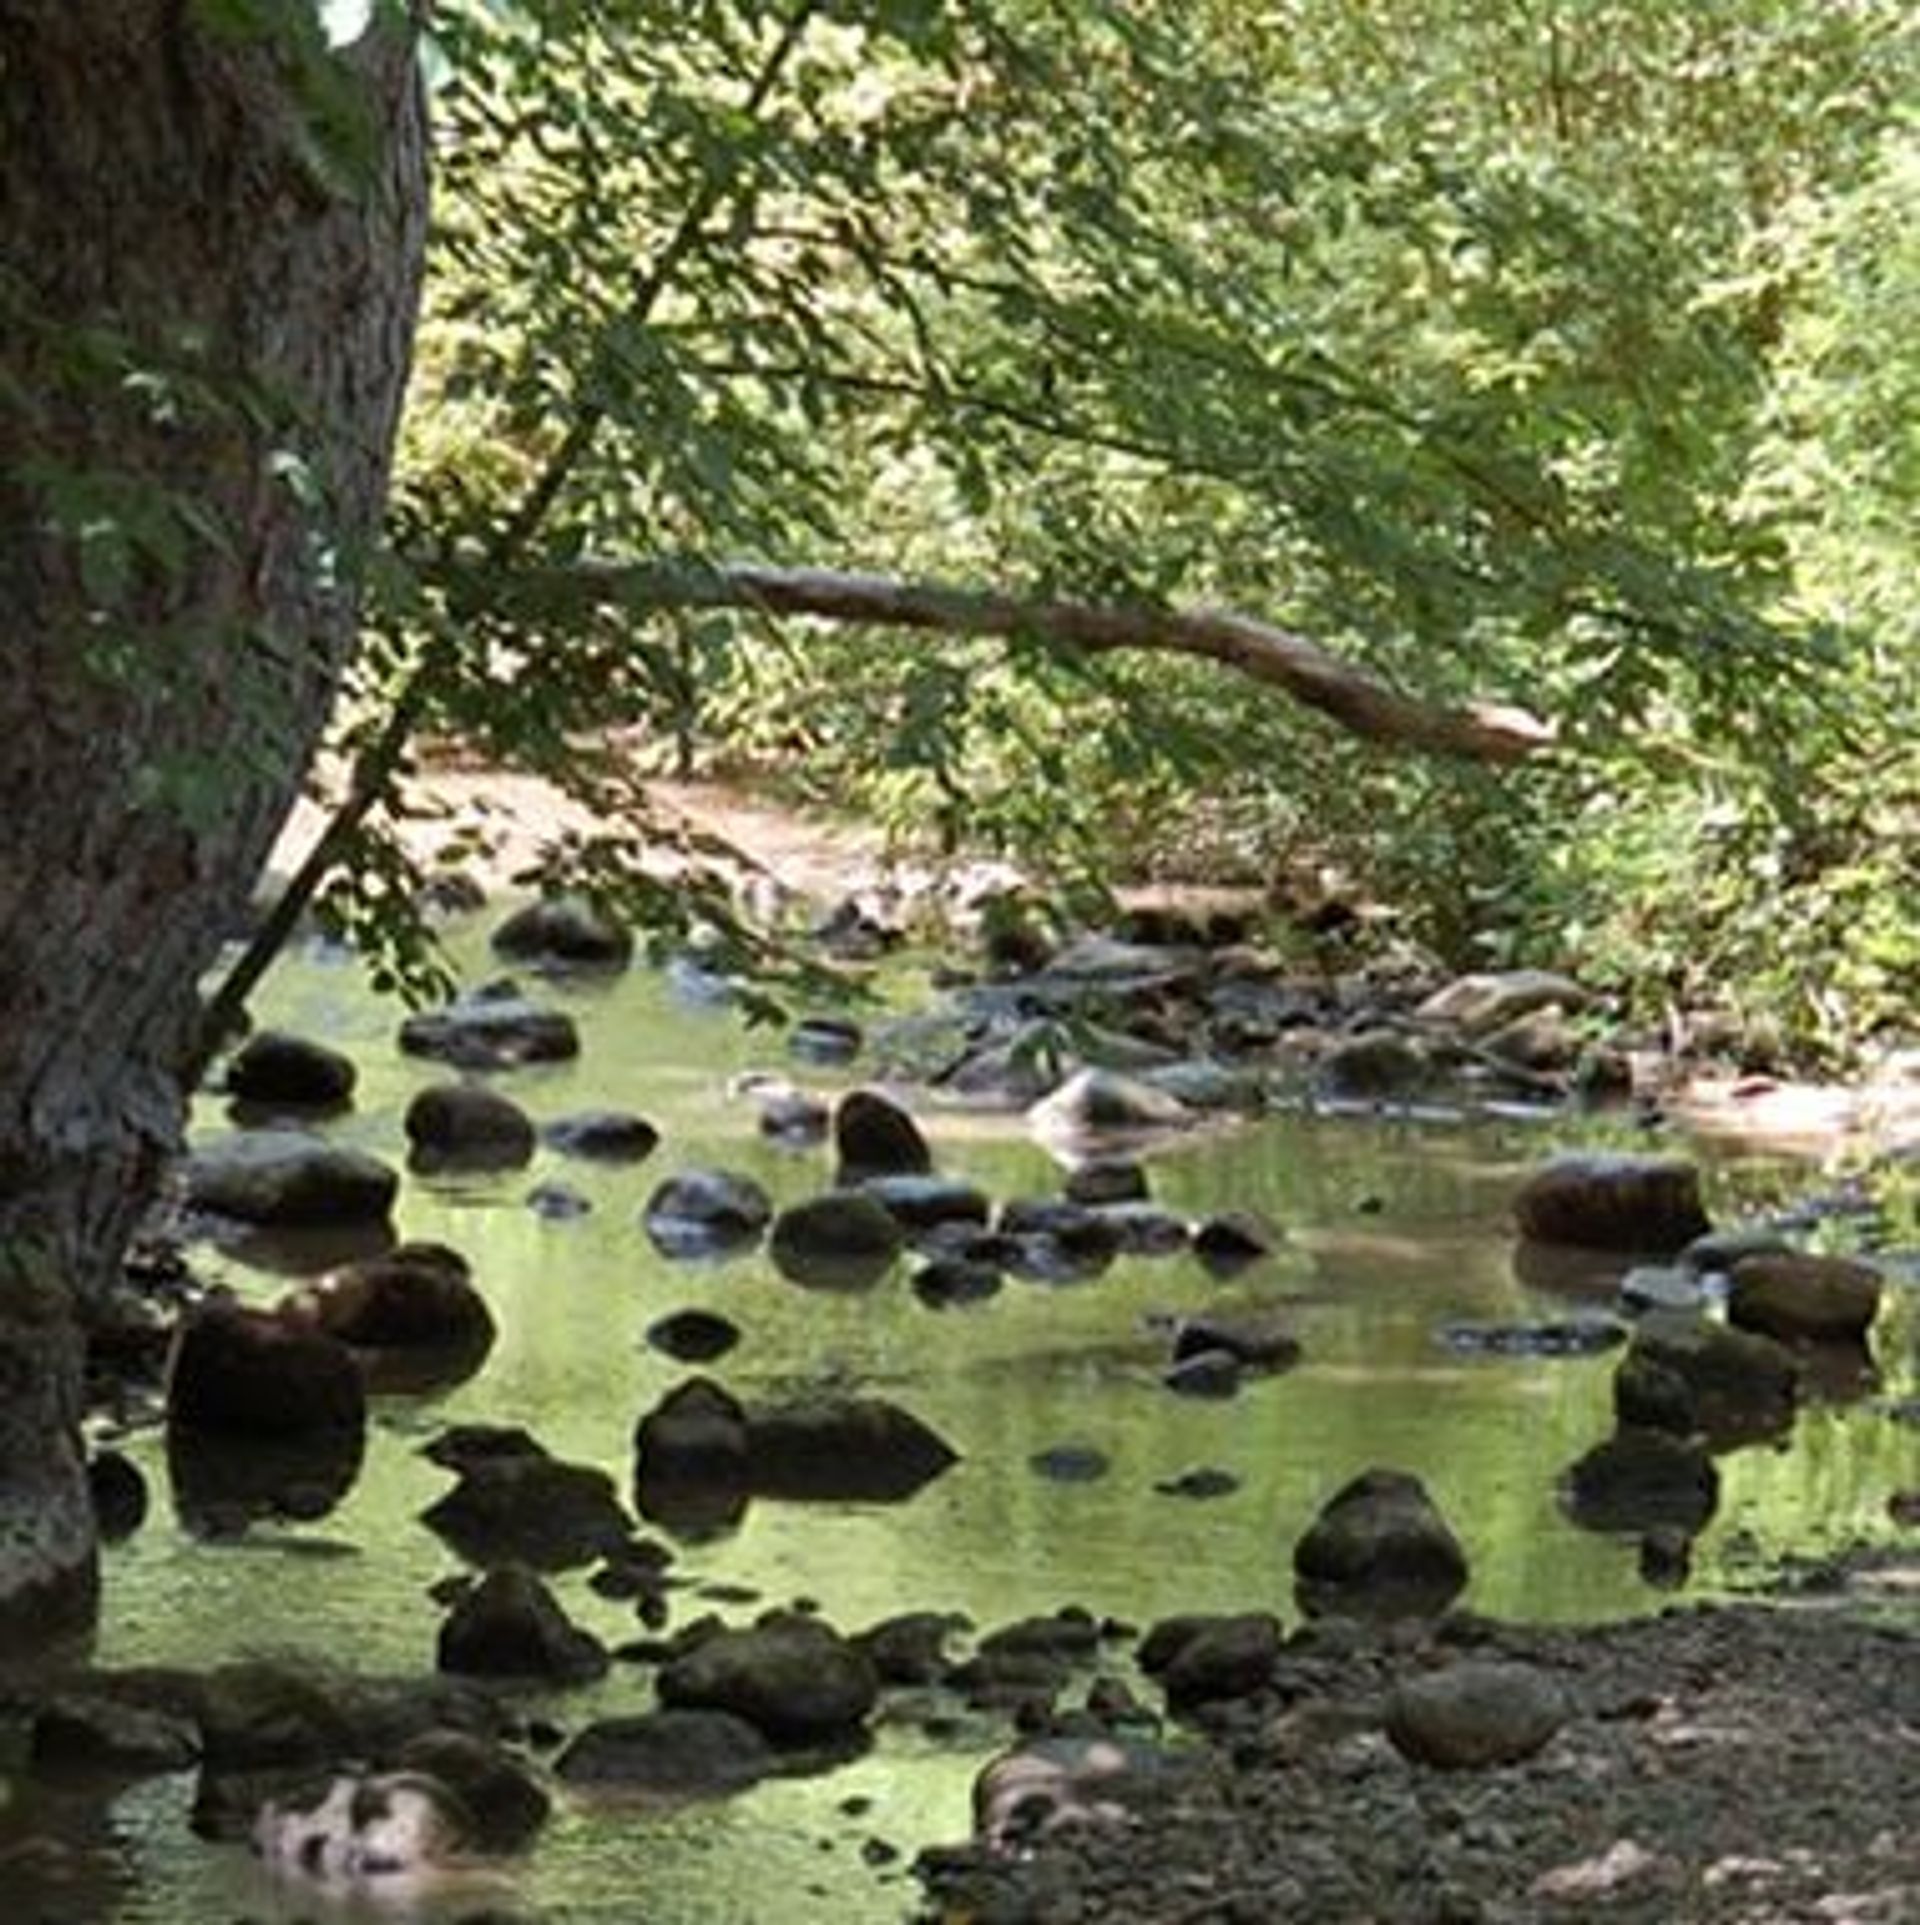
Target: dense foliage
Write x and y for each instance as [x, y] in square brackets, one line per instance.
[1560, 355]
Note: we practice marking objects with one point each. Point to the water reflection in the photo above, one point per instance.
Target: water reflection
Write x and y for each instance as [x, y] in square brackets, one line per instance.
[1394, 1227]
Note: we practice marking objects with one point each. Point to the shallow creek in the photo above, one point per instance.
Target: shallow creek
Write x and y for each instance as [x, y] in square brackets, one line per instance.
[1394, 1226]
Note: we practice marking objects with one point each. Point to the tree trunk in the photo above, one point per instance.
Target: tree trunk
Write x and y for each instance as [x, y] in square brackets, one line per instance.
[210, 247]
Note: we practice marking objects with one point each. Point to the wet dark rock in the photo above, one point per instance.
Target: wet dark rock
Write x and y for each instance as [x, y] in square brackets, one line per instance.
[1204, 1086]
[1045, 1259]
[1740, 1384]
[1379, 1548]
[1234, 1239]
[563, 932]
[603, 1136]
[1071, 1634]
[844, 1239]
[1374, 1066]
[1649, 1395]
[911, 1649]
[1205, 1373]
[693, 1336]
[793, 1678]
[1799, 1298]
[223, 1479]
[511, 1626]
[505, 1801]
[919, 1203]
[1200, 1484]
[1215, 1658]
[670, 1754]
[1070, 1464]
[1560, 1337]
[459, 1446]
[1145, 1230]
[1475, 1714]
[1259, 1343]
[263, 1714]
[843, 1449]
[119, 1494]
[77, 1732]
[1718, 1251]
[240, 1370]
[558, 1203]
[1096, 1105]
[947, 1283]
[275, 1070]
[1107, 1179]
[288, 1179]
[493, 1027]
[1666, 1556]
[1639, 1479]
[827, 1040]
[1614, 1202]
[465, 1126]
[971, 1243]
[706, 1213]
[1073, 1227]
[693, 1468]
[873, 1136]
[533, 1510]
[412, 1317]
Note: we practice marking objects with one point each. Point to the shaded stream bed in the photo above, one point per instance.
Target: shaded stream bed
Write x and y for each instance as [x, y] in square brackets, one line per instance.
[1395, 1227]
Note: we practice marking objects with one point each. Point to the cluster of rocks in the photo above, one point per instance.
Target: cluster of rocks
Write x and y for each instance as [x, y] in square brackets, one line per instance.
[1724, 1330]
[1115, 1044]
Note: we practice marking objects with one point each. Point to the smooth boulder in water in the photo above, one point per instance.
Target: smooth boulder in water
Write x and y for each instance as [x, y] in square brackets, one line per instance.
[411, 1316]
[465, 1126]
[236, 1369]
[510, 1625]
[1645, 1204]
[528, 1508]
[289, 1179]
[843, 1450]
[794, 1679]
[675, 1753]
[564, 932]
[1640, 1478]
[274, 1069]
[874, 1136]
[844, 1239]
[706, 1213]
[1684, 1372]
[1799, 1298]
[493, 1027]
[1380, 1548]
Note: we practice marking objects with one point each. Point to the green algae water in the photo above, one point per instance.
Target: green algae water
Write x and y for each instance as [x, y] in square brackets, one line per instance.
[1394, 1227]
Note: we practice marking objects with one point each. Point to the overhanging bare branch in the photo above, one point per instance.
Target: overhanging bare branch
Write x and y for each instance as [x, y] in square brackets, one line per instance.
[1359, 702]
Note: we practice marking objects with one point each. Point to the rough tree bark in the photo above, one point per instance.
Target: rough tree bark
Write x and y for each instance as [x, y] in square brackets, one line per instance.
[209, 275]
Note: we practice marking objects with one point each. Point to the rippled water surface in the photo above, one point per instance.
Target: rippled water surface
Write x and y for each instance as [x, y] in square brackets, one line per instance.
[1394, 1226]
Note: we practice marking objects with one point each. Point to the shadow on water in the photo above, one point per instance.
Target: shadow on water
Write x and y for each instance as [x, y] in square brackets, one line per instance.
[1395, 1231]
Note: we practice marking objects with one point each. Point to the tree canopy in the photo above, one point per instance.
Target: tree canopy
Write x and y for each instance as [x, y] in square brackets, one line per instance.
[1491, 362]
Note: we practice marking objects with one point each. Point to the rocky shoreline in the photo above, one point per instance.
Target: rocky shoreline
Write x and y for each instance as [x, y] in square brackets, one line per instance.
[1740, 1765]
[1386, 1759]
